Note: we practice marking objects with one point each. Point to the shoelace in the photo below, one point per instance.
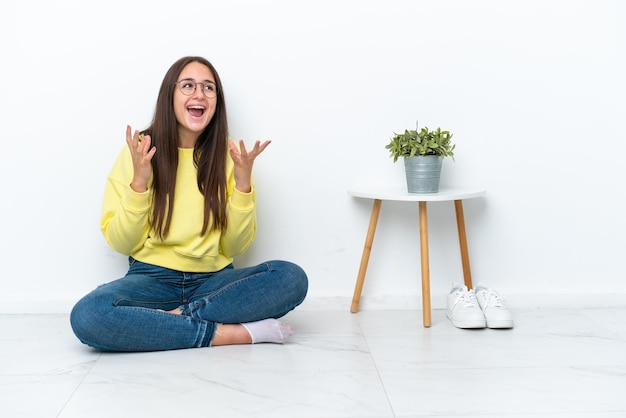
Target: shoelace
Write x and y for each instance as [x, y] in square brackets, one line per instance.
[469, 298]
[493, 299]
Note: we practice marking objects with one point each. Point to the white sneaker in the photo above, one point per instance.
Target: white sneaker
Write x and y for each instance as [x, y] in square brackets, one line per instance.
[496, 313]
[463, 310]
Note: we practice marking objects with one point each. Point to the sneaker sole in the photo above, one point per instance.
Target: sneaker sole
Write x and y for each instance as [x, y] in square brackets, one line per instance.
[500, 324]
[468, 324]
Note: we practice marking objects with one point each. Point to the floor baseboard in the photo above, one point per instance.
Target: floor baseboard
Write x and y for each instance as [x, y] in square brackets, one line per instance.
[386, 302]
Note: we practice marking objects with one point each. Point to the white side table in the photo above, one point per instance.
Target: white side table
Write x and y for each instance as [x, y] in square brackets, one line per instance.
[378, 195]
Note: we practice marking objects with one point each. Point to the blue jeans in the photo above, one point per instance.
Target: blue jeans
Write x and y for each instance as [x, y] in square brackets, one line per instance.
[129, 314]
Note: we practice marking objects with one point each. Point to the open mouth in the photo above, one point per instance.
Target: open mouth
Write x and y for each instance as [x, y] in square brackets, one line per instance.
[196, 111]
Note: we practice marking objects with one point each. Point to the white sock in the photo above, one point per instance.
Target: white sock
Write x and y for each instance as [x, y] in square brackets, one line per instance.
[268, 331]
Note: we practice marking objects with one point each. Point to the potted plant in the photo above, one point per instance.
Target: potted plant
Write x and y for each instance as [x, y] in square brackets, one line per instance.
[423, 151]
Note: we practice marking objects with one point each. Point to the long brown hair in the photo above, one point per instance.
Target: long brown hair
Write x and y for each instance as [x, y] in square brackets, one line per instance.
[209, 155]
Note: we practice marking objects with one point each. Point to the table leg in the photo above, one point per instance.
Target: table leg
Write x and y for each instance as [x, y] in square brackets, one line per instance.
[367, 249]
[460, 223]
[425, 263]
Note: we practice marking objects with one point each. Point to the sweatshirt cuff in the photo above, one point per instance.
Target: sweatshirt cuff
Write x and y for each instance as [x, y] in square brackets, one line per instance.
[242, 201]
[137, 202]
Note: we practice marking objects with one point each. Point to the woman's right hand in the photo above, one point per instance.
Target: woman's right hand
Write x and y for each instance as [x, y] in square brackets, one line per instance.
[142, 154]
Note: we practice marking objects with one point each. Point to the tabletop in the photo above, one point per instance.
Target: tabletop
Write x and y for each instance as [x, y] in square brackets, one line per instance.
[401, 194]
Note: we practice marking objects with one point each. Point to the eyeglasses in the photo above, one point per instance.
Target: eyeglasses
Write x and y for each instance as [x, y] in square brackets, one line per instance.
[188, 87]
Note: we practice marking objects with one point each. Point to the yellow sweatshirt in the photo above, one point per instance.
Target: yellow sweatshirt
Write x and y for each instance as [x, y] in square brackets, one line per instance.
[125, 220]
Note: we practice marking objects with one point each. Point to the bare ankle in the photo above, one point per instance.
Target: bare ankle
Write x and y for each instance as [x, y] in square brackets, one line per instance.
[227, 334]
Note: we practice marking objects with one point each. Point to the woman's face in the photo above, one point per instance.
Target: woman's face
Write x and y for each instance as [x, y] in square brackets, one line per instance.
[193, 109]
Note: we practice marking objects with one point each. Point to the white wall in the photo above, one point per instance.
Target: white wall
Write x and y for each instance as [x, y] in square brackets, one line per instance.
[532, 90]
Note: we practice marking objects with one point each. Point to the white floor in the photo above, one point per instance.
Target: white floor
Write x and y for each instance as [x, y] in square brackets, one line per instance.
[554, 363]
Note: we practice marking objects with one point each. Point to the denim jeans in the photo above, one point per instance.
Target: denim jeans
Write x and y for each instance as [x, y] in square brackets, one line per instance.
[129, 314]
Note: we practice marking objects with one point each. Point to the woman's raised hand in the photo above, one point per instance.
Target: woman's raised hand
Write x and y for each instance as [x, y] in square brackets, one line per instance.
[244, 160]
[142, 154]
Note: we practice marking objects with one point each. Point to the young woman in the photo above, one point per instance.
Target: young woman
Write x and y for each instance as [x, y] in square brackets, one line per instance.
[180, 202]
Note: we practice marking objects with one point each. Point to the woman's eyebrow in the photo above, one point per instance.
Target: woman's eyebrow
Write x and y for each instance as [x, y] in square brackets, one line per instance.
[203, 81]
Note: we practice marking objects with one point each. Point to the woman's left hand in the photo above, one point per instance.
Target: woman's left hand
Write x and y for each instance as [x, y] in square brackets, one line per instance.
[244, 160]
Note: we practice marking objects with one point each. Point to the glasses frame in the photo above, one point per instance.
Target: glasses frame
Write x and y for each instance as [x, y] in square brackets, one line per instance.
[195, 86]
